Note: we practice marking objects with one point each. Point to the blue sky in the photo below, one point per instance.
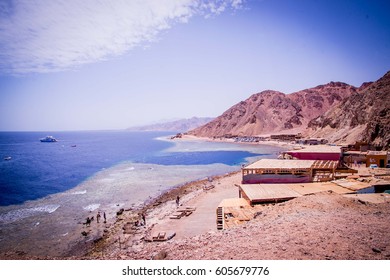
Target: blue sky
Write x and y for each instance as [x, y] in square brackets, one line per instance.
[83, 65]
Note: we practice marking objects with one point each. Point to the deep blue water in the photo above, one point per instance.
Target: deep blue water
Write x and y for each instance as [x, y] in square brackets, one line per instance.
[40, 169]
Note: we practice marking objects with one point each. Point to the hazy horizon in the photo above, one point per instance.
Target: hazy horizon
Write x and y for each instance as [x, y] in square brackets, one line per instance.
[104, 65]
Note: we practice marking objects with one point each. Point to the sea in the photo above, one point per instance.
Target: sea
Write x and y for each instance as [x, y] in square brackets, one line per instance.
[47, 189]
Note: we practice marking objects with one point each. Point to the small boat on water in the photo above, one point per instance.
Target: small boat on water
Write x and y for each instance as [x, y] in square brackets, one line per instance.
[7, 158]
[49, 139]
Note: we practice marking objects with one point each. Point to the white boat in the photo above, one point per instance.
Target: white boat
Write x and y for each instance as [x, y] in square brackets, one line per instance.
[7, 158]
[49, 139]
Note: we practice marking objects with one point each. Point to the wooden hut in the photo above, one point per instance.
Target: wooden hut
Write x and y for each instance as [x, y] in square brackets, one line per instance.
[274, 171]
[379, 158]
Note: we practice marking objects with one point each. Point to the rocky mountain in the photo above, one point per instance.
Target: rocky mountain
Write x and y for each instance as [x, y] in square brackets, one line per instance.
[181, 125]
[336, 111]
[270, 111]
[364, 116]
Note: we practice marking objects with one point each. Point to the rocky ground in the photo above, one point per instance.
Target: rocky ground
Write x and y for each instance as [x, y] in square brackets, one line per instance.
[315, 227]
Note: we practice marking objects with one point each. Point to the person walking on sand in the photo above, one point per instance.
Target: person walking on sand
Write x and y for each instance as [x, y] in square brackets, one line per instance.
[177, 201]
[104, 217]
[143, 218]
[98, 217]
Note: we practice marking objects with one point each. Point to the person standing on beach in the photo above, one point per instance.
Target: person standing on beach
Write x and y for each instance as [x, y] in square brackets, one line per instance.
[104, 216]
[143, 218]
[177, 201]
[98, 217]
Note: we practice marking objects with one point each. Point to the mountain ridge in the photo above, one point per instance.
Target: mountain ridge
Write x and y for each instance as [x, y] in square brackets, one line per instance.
[335, 111]
[181, 125]
[272, 111]
[365, 114]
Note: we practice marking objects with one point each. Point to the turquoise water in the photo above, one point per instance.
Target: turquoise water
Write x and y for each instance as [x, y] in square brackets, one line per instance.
[40, 169]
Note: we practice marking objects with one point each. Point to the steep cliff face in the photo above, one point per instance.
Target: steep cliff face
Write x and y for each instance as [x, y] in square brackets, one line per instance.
[364, 116]
[275, 112]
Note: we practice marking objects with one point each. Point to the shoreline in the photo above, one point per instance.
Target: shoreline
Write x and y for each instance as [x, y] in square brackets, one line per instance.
[156, 209]
[133, 245]
[281, 144]
[121, 239]
[57, 240]
[80, 246]
[313, 222]
[186, 191]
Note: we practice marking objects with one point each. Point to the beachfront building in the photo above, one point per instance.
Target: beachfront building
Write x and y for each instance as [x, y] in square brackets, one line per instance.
[266, 193]
[285, 137]
[360, 146]
[317, 152]
[380, 158]
[311, 141]
[356, 158]
[274, 171]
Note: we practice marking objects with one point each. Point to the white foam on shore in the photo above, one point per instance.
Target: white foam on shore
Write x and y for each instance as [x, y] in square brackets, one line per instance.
[16, 215]
[92, 207]
[107, 180]
[80, 192]
[47, 208]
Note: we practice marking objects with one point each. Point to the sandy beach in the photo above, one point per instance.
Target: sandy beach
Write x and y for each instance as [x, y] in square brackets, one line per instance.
[321, 226]
[194, 194]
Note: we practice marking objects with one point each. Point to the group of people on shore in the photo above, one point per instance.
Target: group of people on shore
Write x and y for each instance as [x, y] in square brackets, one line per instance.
[141, 221]
[98, 217]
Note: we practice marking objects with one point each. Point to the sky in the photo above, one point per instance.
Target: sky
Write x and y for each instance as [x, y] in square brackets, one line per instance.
[95, 65]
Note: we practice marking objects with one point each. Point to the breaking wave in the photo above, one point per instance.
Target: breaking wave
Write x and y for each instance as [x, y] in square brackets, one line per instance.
[91, 207]
[16, 215]
[80, 192]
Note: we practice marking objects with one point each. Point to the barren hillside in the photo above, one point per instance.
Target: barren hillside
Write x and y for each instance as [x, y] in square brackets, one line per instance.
[272, 111]
[364, 116]
[336, 111]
